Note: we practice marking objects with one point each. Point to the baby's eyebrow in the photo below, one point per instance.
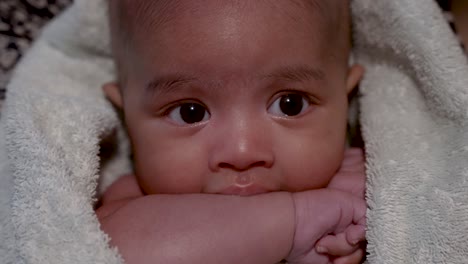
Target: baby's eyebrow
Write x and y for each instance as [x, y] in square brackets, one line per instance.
[167, 84]
[297, 74]
[170, 83]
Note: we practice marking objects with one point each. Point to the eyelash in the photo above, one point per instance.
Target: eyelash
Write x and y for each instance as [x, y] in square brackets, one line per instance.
[311, 99]
[166, 110]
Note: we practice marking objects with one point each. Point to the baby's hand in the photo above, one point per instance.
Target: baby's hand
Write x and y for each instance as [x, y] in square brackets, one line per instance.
[351, 177]
[345, 247]
[322, 212]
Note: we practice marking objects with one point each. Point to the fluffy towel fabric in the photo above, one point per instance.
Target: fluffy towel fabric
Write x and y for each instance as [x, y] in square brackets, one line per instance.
[414, 107]
[414, 115]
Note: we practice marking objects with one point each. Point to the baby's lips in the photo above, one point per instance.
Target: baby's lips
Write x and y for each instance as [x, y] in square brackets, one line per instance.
[246, 190]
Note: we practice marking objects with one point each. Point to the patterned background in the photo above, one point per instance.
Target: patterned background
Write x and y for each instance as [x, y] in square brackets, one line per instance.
[20, 23]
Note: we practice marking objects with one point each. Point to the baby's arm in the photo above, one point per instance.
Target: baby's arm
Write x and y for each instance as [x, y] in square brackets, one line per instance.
[224, 229]
[122, 191]
[196, 228]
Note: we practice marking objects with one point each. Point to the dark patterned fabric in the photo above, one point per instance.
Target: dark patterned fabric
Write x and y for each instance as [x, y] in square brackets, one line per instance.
[445, 4]
[20, 23]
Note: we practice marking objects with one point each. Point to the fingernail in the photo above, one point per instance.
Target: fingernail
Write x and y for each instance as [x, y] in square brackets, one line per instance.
[321, 250]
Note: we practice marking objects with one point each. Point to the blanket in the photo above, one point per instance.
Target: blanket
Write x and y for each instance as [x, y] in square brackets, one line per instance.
[413, 105]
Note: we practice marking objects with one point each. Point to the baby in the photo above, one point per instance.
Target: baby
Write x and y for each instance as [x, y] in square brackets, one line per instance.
[236, 112]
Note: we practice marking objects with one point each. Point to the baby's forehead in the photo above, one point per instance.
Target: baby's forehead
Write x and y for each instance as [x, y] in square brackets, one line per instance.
[151, 14]
[139, 25]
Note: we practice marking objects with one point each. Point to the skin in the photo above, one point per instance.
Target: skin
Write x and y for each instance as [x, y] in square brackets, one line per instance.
[237, 73]
[237, 62]
[278, 225]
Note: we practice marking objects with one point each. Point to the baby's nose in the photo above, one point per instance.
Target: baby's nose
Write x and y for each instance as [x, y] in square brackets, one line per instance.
[242, 147]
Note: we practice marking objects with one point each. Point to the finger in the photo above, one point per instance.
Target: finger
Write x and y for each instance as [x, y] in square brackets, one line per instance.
[354, 151]
[349, 182]
[360, 210]
[355, 234]
[355, 258]
[353, 164]
[336, 245]
[353, 156]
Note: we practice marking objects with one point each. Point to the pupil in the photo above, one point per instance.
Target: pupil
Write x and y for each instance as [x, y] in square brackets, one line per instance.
[291, 104]
[192, 113]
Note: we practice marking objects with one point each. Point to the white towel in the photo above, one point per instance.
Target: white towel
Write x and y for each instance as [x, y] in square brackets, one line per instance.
[414, 116]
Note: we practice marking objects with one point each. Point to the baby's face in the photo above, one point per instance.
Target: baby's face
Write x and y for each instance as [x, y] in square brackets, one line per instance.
[235, 99]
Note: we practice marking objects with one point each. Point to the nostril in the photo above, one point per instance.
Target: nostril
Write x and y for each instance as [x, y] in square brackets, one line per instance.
[240, 167]
[258, 164]
[225, 165]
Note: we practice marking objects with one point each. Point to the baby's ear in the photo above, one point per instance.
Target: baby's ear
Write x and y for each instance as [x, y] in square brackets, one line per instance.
[113, 93]
[355, 74]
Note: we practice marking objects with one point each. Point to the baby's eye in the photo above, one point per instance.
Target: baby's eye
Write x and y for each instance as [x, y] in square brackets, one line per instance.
[291, 104]
[189, 113]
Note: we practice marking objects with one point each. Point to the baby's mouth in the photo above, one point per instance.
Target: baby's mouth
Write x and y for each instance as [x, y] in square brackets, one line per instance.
[245, 184]
[244, 190]
[244, 179]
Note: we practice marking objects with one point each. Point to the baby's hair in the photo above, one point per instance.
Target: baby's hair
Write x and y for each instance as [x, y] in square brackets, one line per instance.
[127, 17]
[336, 15]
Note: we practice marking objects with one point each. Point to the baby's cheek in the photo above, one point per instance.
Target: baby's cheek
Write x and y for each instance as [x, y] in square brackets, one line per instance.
[308, 177]
[170, 173]
[310, 168]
